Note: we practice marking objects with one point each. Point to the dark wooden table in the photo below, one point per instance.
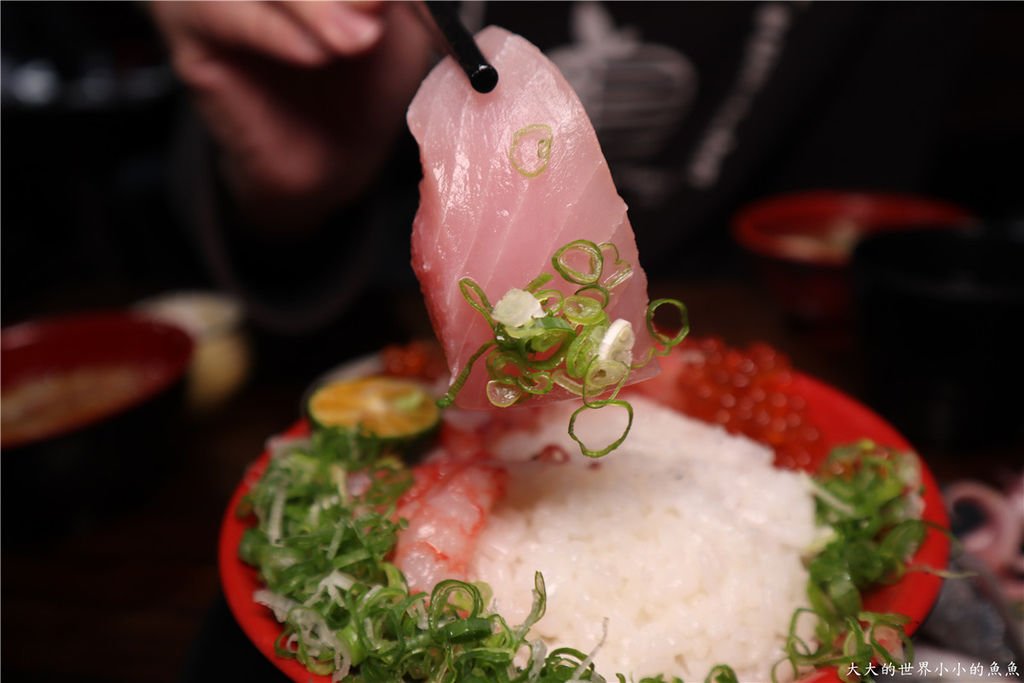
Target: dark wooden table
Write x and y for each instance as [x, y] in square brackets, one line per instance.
[126, 598]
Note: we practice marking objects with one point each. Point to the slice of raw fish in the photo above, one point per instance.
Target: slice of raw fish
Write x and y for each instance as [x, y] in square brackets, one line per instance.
[508, 178]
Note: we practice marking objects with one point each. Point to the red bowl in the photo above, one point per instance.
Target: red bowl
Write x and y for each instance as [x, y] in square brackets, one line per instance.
[803, 241]
[839, 419]
[105, 449]
[57, 346]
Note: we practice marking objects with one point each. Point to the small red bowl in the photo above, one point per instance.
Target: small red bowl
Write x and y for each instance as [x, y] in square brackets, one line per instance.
[52, 348]
[117, 382]
[840, 420]
[803, 242]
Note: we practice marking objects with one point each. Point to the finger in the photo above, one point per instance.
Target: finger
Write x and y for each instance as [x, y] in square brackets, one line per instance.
[257, 27]
[346, 28]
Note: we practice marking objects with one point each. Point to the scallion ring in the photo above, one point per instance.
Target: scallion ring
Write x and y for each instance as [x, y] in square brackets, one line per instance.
[603, 375]
[583, 350]
[499, 362]
[598, 405]
[503, 393]
[582, 310]
[684, 324]
[551, 339]
[550, 300]
[475, 297]
[537, 383]
[578, 277]
[623, 270]
[452, 593]
[568, 383]
[603, 295]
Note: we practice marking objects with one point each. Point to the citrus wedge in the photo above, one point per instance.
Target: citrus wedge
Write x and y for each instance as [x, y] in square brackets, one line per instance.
[390, 408]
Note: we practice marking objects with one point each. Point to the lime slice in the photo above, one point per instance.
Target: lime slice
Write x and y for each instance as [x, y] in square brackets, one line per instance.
[393, 409]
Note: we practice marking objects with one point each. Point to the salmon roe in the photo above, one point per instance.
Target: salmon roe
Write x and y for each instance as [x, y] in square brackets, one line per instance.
[747, 391]
[415, 360]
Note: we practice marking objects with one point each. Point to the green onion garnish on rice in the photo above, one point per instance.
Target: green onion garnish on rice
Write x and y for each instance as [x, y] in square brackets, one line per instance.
[869, 497]
[347, 611]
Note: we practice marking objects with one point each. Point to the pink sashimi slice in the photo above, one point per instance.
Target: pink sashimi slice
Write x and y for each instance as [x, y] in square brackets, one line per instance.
[509, 177]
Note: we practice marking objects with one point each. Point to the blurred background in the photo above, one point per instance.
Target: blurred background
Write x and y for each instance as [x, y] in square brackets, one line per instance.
[91, 108]
[93, 119]
[88, 109]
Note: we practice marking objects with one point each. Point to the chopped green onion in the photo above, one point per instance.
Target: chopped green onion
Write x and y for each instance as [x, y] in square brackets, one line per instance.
[603, 294]
[569, 384]
[598, 405]
[538, 383]
[543, 339]
[475, 297]
[721, 674]
[460, 380]
[601, 376]
[527, 164]
[583, 350]
[861, 494]
[504, 364]
[582, 310]
[551, 300]
[684, 323]
[623, 270]
[617, 343]
[538, 282]
[503, 393]
[578, 277]
[347, 611]
[544, 343]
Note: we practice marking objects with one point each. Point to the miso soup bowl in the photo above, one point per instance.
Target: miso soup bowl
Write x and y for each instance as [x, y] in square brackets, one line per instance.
[801, 244]
[67, 461]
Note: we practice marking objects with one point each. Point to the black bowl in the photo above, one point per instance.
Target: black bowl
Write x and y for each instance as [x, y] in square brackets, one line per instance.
[941, 315]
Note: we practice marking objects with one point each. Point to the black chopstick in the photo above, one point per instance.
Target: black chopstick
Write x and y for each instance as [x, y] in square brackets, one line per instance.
[482, 76]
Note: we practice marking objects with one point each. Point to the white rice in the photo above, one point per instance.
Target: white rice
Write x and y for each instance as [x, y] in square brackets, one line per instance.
[685, 539]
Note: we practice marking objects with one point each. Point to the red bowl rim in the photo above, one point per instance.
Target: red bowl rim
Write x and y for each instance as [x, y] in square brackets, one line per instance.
[878, 210]
[173, 365]
[918, 591]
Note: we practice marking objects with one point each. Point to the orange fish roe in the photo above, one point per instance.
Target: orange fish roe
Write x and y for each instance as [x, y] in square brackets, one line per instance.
[744, 390]
[415, 360]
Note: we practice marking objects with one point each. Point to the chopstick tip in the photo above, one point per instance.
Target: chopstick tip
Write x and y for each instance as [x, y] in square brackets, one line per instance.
[484, 79]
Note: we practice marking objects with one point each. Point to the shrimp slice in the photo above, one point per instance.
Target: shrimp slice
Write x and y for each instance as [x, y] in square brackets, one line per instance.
[447, 508]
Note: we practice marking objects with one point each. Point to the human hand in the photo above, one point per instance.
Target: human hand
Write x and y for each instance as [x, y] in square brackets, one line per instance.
[305, 99]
